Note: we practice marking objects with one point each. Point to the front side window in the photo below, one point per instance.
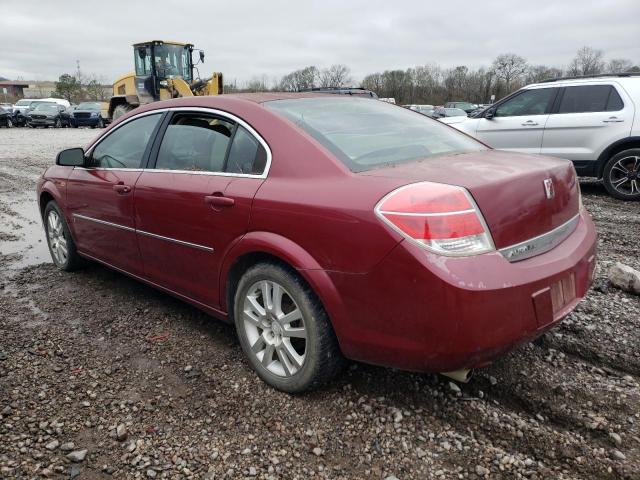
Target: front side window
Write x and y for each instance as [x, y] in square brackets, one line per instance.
[125, 147]
[364, 134]
[143, 61]
[590, 98]
[195, 142]
[529, 102]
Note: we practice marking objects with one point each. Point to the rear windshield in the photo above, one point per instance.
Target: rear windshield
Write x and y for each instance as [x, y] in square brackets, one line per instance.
[365, 133]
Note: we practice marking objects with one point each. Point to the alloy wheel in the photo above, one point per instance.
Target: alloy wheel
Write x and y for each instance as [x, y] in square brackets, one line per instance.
[624, 176]
[275, 328]
[57, 240]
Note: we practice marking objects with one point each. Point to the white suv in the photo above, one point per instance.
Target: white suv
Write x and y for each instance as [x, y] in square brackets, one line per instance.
[593, 121]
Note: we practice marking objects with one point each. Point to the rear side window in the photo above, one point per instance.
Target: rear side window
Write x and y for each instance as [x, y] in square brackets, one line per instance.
[590, 98]
[529, 102]
[125, 147]
[246, 154]
[195, 142]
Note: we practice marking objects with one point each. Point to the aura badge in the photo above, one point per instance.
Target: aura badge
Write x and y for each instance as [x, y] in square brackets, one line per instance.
[548, 188]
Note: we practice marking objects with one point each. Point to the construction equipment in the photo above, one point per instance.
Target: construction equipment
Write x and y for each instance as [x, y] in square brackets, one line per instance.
[163, 70]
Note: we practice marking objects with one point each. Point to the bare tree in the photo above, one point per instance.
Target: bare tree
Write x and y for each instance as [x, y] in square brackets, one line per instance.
[588, 61]
[619, 65]
[538, 73]
[334, 76]
[299, 80]
[509, 67]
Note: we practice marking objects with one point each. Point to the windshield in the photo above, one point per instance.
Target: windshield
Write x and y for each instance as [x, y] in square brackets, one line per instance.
[364, 134]
[172, 61]
[46, 107]
[88, 106]
[23, 102]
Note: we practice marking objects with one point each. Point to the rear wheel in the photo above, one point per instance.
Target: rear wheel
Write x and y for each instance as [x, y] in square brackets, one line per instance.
[61, 245]
[121, 110]
[621, 176]
[283, 329]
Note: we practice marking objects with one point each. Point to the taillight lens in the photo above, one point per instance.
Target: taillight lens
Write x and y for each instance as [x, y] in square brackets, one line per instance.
[441, 218]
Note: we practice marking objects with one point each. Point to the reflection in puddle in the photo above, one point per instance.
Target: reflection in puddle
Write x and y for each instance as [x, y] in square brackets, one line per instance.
[22, 238]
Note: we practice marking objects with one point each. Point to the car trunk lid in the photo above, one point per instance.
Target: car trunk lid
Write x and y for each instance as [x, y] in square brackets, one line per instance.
[520, 196]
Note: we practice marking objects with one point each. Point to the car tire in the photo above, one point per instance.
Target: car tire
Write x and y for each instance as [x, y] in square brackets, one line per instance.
[621, 175]
[303, 353]
[100, 123]
[57, 124]
[121, 110]
[61, 245]
[9, 123]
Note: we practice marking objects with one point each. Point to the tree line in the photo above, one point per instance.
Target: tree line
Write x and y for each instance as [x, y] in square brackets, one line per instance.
[432, 84]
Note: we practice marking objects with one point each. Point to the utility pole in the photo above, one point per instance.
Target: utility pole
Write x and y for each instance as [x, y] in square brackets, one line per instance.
[78, 71]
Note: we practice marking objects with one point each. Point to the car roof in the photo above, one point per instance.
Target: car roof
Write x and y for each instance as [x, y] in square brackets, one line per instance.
[620, 78]
[216, 101]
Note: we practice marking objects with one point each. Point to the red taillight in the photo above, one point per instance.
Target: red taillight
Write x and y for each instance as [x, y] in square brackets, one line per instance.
[442, 218]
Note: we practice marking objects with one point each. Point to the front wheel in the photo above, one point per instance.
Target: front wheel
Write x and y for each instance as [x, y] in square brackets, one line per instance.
[283, 329]
[621, 176]
[61, 245]
[9, 123]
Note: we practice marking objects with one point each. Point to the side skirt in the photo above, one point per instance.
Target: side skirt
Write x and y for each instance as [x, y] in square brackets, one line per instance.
[219, 314]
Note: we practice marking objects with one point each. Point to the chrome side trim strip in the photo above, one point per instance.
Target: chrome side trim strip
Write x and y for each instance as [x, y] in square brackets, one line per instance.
[540, 244]
[174, 240]
[103, 222]
[142, 232]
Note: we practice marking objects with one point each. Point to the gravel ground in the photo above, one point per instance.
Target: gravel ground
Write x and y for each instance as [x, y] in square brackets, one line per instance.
[103, 377]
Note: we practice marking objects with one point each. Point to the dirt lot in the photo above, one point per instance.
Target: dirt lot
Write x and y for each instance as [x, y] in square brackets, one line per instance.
[151, 387]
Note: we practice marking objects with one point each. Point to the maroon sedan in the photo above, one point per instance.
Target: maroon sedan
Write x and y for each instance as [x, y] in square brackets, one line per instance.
[328, 227]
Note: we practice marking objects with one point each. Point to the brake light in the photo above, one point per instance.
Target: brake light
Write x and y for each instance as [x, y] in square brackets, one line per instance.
[441, 218]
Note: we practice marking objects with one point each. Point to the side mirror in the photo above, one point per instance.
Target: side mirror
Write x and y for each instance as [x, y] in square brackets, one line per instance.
[71, 157]
[489, 114]
[201, 56]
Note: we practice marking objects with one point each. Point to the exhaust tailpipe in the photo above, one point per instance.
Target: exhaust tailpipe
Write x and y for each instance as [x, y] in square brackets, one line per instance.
[462, 375]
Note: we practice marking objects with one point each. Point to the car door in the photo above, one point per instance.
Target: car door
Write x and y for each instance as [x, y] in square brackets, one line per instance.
[587, 119]
[100, 195]
[194, 200]
[518, 123]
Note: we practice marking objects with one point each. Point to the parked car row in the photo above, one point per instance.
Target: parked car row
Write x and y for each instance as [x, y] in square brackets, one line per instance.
[53, 112]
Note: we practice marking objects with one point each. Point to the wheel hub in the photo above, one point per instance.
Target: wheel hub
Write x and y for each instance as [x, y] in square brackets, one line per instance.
[275, 329]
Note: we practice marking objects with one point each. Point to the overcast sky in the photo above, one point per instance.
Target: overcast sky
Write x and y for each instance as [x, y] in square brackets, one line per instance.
[246, 38]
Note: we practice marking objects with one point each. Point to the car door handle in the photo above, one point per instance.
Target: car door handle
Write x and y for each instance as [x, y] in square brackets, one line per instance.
[122, 189]
[530, 123]
[613, 120]
[217, 201]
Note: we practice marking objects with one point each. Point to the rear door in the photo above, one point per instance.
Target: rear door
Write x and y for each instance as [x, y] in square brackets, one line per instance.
[100, 197]
[194, 200]
[587, 119]
[518, 123]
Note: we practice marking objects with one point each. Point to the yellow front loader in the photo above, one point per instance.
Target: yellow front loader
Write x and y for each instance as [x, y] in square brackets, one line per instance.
[163, 70]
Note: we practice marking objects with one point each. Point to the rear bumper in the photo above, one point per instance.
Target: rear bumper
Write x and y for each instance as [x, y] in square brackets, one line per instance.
[424, 312]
